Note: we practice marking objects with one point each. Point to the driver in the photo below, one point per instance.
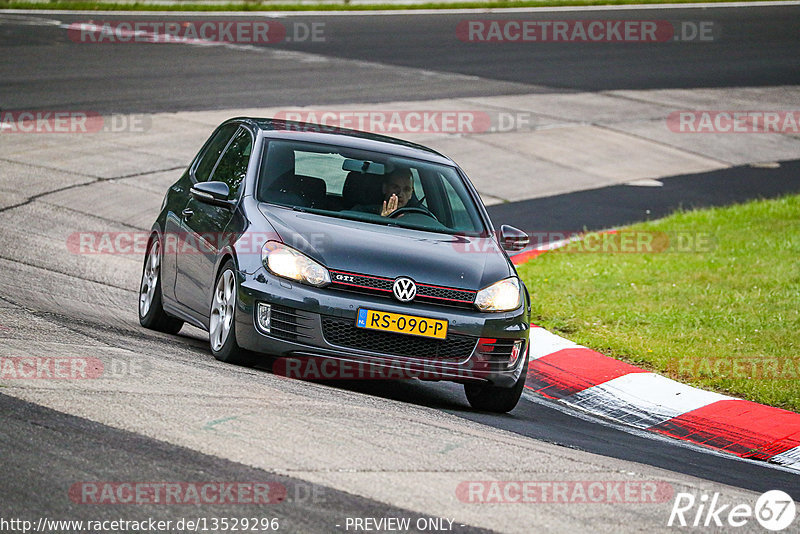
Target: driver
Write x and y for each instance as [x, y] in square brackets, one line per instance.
[398, 188]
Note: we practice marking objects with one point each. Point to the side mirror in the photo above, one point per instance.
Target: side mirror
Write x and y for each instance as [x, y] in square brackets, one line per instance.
[513, 239]
[215, 193]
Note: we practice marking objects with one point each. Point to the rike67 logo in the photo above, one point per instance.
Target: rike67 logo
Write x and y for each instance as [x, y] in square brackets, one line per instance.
[774, 510]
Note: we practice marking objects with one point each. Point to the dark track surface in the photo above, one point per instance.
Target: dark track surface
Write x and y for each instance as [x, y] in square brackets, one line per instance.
[752, 50]
[537, 421]
[45, 452]
[543, 422]
[608, 207]
[43, 69]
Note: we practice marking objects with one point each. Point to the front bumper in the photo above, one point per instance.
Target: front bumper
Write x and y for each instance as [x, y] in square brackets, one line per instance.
[310, 323]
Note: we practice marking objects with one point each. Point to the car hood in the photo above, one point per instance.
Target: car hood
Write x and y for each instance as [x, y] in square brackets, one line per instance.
[390, 251]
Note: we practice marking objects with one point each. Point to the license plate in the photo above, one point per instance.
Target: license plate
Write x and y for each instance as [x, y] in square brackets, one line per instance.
[402, 324]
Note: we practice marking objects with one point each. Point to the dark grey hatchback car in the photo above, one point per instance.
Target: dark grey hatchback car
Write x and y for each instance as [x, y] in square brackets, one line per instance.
[361, 255]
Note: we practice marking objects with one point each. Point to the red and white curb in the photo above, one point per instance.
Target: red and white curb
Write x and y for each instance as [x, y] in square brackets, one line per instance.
[587, 380]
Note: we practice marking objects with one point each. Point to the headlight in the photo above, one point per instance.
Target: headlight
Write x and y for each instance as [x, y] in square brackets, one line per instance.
[285, 261]
[504, 295]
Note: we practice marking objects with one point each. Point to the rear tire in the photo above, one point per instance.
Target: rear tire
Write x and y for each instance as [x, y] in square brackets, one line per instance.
[151, 308]
[488, 398]
[222, 320]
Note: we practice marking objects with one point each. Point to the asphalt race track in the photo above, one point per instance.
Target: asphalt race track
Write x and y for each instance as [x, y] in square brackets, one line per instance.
[759, 48]
[340, 450]
[618, 205]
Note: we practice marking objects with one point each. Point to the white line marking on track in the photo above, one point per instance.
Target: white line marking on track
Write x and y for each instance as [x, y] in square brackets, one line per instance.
[789, 459]
[643, 399]
[543, 343]
[572, 411]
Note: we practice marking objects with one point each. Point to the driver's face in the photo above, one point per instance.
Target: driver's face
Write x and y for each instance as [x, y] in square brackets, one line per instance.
[399, 185]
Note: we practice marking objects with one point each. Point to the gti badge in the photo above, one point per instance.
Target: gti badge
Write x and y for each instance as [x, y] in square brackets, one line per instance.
[404, 289]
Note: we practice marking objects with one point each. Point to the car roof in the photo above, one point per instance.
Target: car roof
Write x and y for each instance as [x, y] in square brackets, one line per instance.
[333, 135]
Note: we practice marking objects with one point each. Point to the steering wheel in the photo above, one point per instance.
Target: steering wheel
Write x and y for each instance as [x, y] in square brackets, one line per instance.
[412, 209]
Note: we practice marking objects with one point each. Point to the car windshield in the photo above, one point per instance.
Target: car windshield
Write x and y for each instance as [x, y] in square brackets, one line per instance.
[353, 184]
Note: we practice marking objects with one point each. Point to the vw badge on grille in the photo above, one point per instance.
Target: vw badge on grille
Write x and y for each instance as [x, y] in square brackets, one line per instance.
[404, 289]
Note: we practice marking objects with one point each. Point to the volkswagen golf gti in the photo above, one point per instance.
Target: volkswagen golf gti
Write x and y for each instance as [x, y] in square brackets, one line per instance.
[305, 243]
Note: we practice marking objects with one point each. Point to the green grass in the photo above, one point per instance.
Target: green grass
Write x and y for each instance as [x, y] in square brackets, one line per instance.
[724, 317]
[344, 5]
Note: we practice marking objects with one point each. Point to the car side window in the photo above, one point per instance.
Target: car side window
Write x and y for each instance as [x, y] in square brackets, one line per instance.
[202, 170]
[232, 166]
[460, 216]
[419, 190]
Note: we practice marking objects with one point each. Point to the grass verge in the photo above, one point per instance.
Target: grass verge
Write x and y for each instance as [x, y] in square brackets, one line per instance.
[718, 307]
[344, 5]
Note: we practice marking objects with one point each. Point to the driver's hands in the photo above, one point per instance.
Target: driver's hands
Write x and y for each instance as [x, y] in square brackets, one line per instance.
[389, 206]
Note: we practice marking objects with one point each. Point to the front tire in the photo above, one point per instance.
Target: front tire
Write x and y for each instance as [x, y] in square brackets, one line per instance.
[222, 320]
[488, 398]
[151, 308]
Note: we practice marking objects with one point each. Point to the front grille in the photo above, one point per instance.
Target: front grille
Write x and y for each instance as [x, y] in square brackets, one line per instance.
[289, 324]
[378, 285]
[360, 281]
[445, 293]
[344, 333]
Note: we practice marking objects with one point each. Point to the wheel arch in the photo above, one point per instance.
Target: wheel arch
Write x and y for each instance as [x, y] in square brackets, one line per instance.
[222, 259]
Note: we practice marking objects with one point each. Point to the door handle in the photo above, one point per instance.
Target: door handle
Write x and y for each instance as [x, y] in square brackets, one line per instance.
[187, 213]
